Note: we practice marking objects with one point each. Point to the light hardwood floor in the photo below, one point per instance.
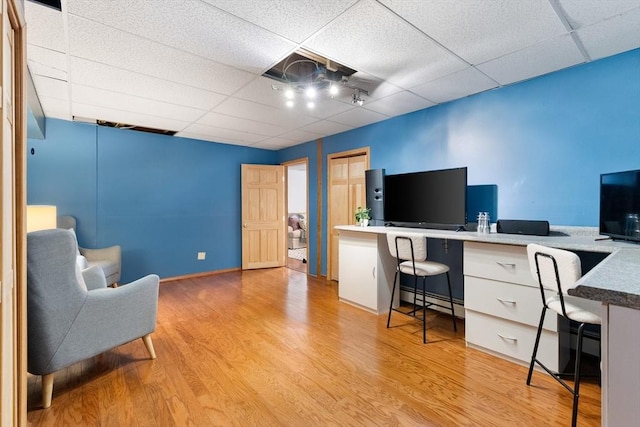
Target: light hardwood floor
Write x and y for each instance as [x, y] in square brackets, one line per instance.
[276, 348]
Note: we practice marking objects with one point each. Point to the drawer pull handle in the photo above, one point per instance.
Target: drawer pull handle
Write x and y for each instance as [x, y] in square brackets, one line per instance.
[507, 338]
[506, 264]
[506, 301]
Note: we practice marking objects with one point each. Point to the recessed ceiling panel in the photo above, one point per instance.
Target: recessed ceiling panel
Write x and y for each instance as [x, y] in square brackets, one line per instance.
[120, 116]
[295, 20]
[558, 53]
[262, 113]
[134, 104]
[478, 31]
[581, 13]
[358, 117]
[51, 88]
[236, 123]
[107, 45]
[398, 103]
[89, 73]
[190, 26]
[598, 43]
[454, 86]
[45, 27]
[371, 39]
[326, 127]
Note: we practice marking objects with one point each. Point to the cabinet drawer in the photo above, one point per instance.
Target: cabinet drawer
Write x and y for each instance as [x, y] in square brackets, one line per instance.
[507, 300]
[511, 339]
[506, 263]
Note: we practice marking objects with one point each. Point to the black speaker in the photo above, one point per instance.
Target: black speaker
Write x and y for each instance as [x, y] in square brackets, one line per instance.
[374, 179]
[521, 226]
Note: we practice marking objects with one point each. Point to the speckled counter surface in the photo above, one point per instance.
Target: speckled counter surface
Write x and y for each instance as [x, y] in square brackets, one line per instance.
[616, 280]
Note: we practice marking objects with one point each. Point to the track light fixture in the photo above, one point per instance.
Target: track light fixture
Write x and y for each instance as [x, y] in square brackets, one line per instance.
[356, 98]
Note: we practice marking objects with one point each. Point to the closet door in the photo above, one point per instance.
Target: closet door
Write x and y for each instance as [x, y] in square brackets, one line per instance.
[347, 191]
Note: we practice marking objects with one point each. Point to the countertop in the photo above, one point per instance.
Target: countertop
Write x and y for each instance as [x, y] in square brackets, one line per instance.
[615, 280]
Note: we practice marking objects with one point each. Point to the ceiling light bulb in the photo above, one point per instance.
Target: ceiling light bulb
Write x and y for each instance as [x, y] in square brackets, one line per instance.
[290, 103]
[288, 93]
[360, 102]
[311, 105]
[333, 90]
[311, 92]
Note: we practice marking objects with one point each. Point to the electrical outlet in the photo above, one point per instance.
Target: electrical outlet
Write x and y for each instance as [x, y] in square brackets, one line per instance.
[201, 256]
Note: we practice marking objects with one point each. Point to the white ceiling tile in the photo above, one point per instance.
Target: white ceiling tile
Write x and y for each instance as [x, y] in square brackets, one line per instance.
[399, 103]
[191, 26]
[377, 42]
[457, 85]
[289, 119]
[222, 134]
[54, 62]
[284, 16]
[327, 127]
[240, 124]
[109, 46]
[301, 135]
[56, 108]
[44, 27]
[89, 73]
[478, 31]
[527, 63]
[598, 41]
[134, 104]
[358, 117]
[51, 88]
[275, 143]
[40, 69]
[127, 117]
[581, 13]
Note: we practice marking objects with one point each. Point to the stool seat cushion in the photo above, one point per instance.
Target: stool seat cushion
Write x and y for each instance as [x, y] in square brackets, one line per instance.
[423, 268]
[578, 309]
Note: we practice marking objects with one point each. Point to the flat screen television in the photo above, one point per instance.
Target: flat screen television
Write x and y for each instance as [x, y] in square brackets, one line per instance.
[620, 205]
[429, 199]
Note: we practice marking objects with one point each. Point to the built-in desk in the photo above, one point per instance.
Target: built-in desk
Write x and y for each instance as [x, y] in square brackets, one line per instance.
[502, 306]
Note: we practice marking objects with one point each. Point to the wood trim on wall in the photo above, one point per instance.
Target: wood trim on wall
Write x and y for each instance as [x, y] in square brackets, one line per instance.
[16, 17]
[319, 209]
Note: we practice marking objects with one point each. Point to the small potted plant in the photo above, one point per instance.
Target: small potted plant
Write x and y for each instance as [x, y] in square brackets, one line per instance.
[362, 216]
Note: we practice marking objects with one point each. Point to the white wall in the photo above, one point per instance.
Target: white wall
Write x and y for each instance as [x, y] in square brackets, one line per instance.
[297, 189]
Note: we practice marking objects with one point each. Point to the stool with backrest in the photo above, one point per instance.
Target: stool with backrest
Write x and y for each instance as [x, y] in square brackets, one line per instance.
[410, 252]
[557, 271]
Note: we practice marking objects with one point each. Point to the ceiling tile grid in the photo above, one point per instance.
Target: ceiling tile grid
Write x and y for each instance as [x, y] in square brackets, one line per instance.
[195, 66]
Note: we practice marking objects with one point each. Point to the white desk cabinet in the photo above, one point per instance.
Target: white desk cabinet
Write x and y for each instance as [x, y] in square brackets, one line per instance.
[503, 304]
[365, 270]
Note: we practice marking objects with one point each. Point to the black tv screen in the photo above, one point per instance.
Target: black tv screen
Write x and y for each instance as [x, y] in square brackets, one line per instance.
[620, 205]
[429, 199]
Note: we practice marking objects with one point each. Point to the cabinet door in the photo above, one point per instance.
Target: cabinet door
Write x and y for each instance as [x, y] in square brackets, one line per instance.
[358, 264]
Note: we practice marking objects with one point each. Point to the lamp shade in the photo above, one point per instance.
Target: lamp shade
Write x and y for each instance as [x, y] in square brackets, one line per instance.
[41, 217]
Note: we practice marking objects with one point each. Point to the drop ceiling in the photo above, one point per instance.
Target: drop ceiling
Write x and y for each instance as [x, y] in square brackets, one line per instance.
[195, 66]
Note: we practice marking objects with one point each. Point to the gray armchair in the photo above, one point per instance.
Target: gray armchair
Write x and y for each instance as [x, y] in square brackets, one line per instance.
[108, 259]
[73, 315]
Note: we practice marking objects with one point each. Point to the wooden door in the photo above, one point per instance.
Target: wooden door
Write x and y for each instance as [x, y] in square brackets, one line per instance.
[347, 191]
[263, 216]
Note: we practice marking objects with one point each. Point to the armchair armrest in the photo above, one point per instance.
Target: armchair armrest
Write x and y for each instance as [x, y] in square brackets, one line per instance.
[94, 278]
[112, 254]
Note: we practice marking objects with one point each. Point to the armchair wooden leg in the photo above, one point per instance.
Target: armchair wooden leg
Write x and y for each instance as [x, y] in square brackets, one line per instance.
[47, 390]
[149, 344]
[115, 285]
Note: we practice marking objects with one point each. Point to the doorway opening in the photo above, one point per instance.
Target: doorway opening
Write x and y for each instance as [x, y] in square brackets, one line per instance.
[297, 215]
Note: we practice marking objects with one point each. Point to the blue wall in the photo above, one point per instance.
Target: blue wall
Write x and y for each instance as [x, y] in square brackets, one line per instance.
[542, 143]
[161, 198]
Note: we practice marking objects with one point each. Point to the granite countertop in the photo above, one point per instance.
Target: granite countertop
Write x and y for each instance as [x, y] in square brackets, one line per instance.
[616, 280]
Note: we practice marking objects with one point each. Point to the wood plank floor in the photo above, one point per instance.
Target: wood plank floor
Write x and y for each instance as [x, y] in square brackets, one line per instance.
[276, 348]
